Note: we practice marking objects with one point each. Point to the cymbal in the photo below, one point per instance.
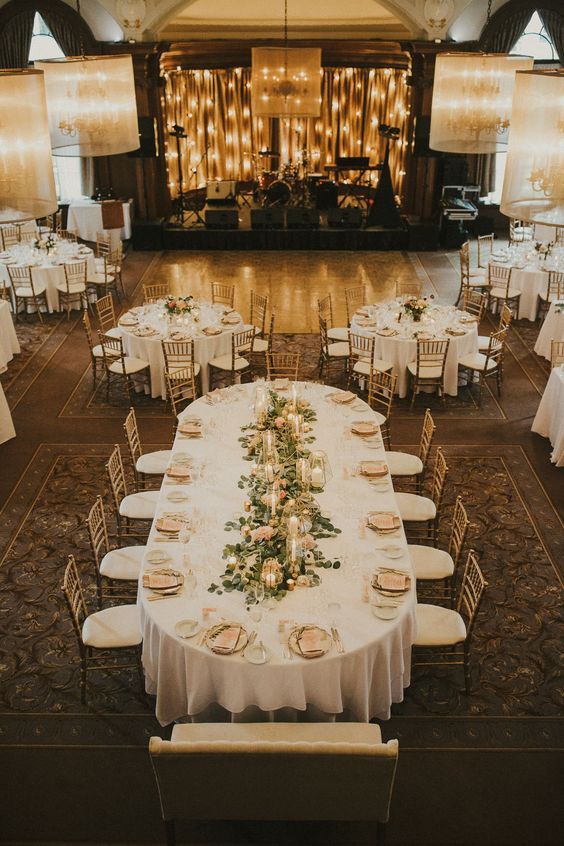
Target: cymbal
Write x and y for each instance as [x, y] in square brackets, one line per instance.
[269, 153]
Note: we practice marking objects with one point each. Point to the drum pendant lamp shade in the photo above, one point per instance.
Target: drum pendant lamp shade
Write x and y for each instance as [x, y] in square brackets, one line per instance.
[91, 105]
[533, 184]
[286, 82]
[472, 97]
[27, 184]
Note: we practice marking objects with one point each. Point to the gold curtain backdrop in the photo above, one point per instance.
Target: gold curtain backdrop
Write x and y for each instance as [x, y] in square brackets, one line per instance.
[214, 107]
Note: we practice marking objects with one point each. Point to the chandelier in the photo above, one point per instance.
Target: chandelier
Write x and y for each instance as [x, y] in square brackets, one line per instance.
[472, 96]
[27, 184]
[533, 185]
[286, 81]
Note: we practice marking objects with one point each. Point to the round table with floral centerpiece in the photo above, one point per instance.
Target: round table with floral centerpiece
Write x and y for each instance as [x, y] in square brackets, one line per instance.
[178, 319]
[530, 263]
[396, 326]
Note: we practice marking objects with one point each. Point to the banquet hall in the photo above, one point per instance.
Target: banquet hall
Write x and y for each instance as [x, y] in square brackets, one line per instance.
[281, 422]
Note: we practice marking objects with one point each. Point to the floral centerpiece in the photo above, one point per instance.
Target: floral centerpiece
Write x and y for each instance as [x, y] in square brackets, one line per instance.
[46, 244]
[543, 250]
[179, 305]
[415, 306]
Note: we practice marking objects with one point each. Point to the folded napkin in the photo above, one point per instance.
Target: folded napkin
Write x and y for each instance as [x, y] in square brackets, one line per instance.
[310, 642]
[468, 319]
[178, 471]
[179, 336]
[166, 524]
[162, 581]
[365, 321]
[382, 522]
[128, 320]
[343, 397]
[423, 336]
[386, 332]
[392, 581]
[373, 468]
[226, 640]
[455, 332]
[281, 384]
[361, 427]
[192, 430]
[230, 319]
[144, 331]
[212, 330]
[362, 312]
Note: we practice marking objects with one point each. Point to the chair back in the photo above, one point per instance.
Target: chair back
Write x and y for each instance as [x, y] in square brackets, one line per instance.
[106, 313]
[178, 355]
[474, 302]
[102, 245]
[354, 298]
[408, 288]
[67, 235]
[556, 353]
[495, 350]
[520, 230]
[268, 756]
[116, 477]
[458, 532]
[112, 351]
[88, 329]
[10, 236]
[20, 277]
[28, 237]
[222, 294]
[325, 309]
[323, 336]
[427, 435]
[439, 479]
[154, 293]
[361, 348]
[485, 247]
[98, 531]
[180, 387]
[505, 318]
[499, 276]
[259, 306]
[381, 391]
[132, 436]
[555, 287]
[282, 366]
[75, 273]
[72, 591]
[242, 343]
[471, 591]
[559, 236]
[431, 360]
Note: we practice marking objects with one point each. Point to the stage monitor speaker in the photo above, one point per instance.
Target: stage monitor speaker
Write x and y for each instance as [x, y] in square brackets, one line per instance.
[148, 139]
[302, 218]
[221, 192]
[272, 218]
[326, 194]
[347, 218]
[222, 219]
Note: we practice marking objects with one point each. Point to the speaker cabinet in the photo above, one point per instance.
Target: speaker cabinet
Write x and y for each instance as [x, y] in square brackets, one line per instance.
[222, 219]
[272, 218]
[300, 218]
[326, 193]
[348, 218]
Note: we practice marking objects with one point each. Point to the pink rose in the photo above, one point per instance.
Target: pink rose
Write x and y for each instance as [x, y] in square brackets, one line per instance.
[308, 541]
[262, 533]
[279, 422]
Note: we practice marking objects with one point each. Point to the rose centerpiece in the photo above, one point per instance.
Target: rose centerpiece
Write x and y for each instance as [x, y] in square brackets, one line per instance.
[179, 305]
[45, 244]
[415, 306]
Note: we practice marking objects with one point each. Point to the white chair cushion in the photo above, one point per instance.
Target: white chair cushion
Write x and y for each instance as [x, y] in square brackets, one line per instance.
[477, 282]
[100, 279]
[437, 626]
[338, 333]
[124, 563]
[430, 563]
[426, 372]
[477, 274]
[403, 464]
[260, 345]
[483, 342]
[499, 293]
[113, 627]
[154, 462]
[223, 362]
[362, 367]
[132, 365]
[74, 288]
[98, 352]
[415, 507]
[27, 292]
[139, 506]
[476, 362]
[338, 350]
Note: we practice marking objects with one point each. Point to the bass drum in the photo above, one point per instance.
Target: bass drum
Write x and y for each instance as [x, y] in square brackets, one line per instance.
[278, 194]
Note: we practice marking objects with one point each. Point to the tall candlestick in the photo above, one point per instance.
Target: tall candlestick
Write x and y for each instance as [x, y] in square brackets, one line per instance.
[293, 525]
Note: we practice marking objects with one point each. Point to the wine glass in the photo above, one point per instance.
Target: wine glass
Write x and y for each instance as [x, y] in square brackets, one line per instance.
[191, 583]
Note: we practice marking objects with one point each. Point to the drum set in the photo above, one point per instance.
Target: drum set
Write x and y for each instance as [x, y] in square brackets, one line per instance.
[289, 184]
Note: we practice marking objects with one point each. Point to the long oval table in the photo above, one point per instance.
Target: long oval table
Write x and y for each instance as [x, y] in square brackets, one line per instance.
[188, 680]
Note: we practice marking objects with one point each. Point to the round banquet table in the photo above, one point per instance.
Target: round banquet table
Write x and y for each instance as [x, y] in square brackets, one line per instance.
[46, 269]
[9, 345]
[7, 430]
[191, 681]
[152, 319]
[552, 329]
[549, 419]
[529, 274]
[400, 348]
[85, 218]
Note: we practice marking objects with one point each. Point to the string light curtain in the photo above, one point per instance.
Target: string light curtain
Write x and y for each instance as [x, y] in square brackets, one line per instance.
[214, 107]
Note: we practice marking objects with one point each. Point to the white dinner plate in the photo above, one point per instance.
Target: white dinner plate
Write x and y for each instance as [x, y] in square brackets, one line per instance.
[393, 551]
[177, 496]
[385, 611]
[187, 628]
[255, 654]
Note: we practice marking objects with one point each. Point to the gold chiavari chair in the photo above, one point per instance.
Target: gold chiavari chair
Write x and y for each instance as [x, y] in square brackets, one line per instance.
[74, 286]
[334, 333]
[381, 392]
[486, 365]
[120, 367]
[222, 294]
[406, 465]
[131, 509]
[443, 634]
[474, 303]
[424, 512]
[96, 351]
[179, 355]
[505, 319]
[103, 246]
[282, 366]
[26, 289]
[103, 634]
[236, 363]
[156, 292]
[330, 351]
[180, 388]
[10, 235]
[117, 570]
[28, 237]
[408, 288]
[554, 292]
[470, 279]
[485, 249]
[67, 235]
[556, 353]
[520, 231]
[115, 262]
[102, 282]
[361, 359]
[107, 316]
[559, 236]
[259, 307]
[263, 345]
[501, 291]
[437, 567]
[428, 369]
[354, 298]
[144, 463]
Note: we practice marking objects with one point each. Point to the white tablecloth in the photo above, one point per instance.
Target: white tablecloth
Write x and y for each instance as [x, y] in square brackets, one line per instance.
[189, 680]
[552, 329]
[205, 347]
[7, 430]
[529, 273]
[85, 218]
[9, 345]
[49, 271]
[400, 349]
[549, 419]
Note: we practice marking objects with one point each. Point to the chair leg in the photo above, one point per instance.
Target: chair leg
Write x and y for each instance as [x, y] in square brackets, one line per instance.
[37, 309]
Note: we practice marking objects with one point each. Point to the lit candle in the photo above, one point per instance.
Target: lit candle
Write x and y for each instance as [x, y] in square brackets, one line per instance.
[317, 477]
[273, 500]
[293, 525]
[247, 505]
[293, 550]
[270, 580]
[269, 472]
[291, 584]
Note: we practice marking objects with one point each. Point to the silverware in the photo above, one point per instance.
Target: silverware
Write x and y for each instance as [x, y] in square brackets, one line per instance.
[337, 640]
[164, 596]
[252, 638]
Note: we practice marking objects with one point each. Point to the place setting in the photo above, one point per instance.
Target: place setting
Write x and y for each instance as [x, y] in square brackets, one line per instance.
[164, 583]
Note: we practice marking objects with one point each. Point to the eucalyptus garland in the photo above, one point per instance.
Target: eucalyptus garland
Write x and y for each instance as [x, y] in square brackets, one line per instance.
[260, 554]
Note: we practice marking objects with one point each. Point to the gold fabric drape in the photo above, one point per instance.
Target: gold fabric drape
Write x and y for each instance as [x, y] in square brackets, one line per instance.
[214, 107]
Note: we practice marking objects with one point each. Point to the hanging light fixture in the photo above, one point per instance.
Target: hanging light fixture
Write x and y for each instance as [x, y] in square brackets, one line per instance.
[27, 184]
[91, 104]
[438, 13]
[472, 96]
[533, 184]
[286, 81]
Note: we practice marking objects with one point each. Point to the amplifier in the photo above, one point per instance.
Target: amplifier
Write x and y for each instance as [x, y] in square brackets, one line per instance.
[222, 191]
[222, 219]
[326, 194]
[272, 218]
[302, 218]
[347, 218]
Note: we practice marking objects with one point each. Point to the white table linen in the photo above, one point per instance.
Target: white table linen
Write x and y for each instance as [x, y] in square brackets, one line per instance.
[7, 430]
[206, 347]
[48, 270]
[552, 329]
[191, 681]
[401, 349]
[9, 344]
[529, 274]
[549, 419]
[85, 218]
